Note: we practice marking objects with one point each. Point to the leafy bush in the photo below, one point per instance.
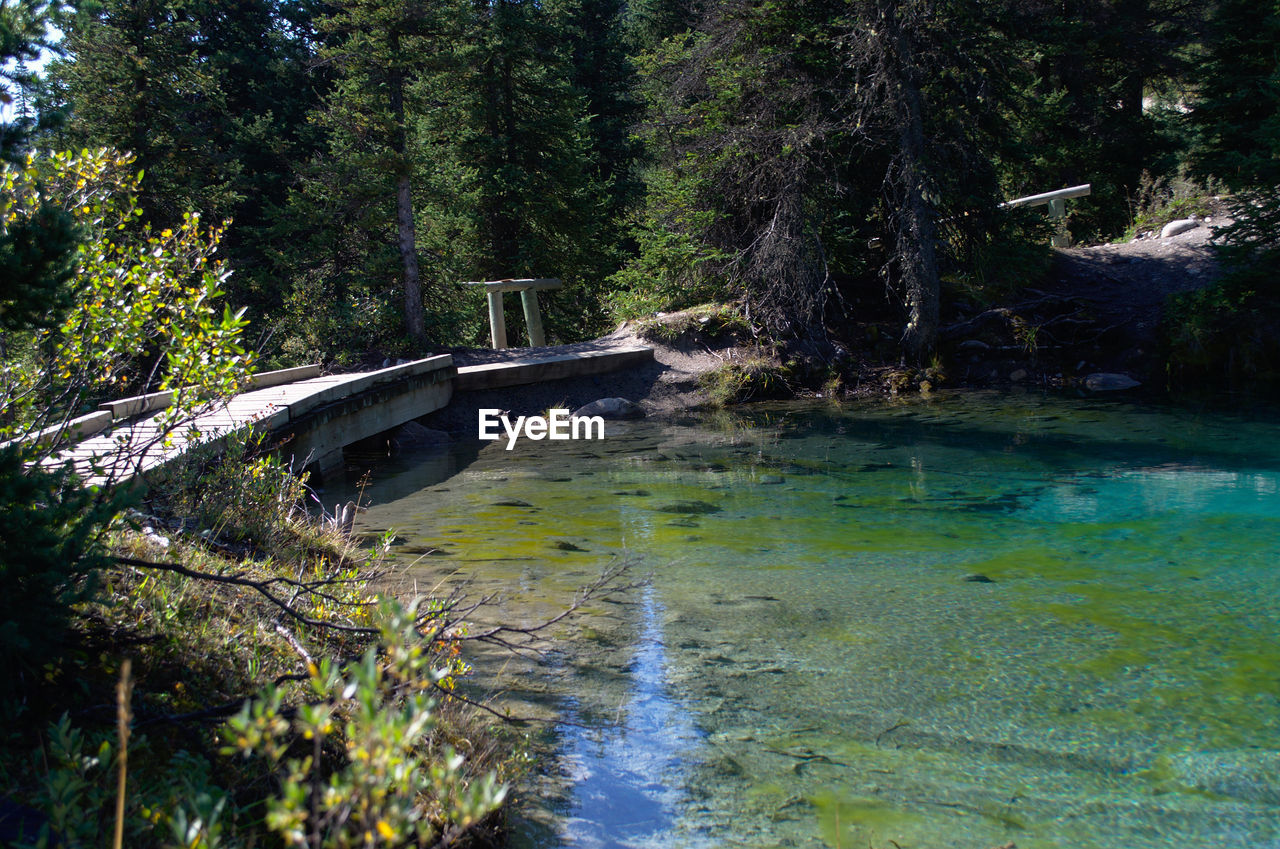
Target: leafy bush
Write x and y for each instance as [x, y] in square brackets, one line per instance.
[49, 551]
[374, 775]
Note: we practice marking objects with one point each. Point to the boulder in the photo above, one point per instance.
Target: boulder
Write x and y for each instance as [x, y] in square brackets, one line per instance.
[1102, 381]
[1247, 774]
[413, 435]
[1182, 225]
[611, 408]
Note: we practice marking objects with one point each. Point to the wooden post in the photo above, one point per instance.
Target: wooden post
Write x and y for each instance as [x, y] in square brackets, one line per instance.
[528, 289]
[1058, 216]
[497, 322]
[532, 318]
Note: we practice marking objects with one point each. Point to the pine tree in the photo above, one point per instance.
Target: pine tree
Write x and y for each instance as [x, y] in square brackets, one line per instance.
[211, 96]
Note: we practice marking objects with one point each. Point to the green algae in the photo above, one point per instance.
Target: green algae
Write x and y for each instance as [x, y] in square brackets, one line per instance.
[1128, 630]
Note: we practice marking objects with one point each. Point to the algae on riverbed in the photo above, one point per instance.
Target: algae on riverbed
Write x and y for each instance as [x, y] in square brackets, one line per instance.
[818, 652]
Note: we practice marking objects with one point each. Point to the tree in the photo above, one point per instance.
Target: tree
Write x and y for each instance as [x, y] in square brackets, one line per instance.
[378, 51]
[740, 124]
[1082, 71]
[929, 85]
[1233, 327]
[140, 308]
[211, 97]
[788, 134]
[540, 204]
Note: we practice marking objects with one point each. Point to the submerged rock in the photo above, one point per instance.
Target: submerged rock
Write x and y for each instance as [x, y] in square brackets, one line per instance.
[977, 578]
[564, 545]
[1101, 381]
[688, 506]
[1248, 774]
[511, 502]
[611, 408]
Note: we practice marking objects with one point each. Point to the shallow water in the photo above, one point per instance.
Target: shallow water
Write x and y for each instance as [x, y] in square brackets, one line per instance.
[957, 622]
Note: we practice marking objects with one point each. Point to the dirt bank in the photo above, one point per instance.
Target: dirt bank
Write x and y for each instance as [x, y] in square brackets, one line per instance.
[1098, 311]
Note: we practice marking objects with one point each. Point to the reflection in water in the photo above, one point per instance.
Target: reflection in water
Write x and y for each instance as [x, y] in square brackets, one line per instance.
[628, 777]
[958, 623]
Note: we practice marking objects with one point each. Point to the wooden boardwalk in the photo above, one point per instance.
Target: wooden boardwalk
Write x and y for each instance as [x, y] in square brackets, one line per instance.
[137, 445]
[321, 414]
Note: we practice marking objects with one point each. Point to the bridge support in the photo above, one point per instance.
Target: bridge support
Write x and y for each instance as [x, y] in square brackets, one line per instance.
[316, 439]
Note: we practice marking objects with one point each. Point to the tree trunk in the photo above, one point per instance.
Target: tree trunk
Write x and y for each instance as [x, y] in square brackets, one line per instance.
[917, 230]
[413, 319]
[406, 233]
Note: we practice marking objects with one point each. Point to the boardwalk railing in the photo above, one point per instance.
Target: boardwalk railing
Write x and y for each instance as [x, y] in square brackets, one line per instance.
[109, 413]
[1057, 203]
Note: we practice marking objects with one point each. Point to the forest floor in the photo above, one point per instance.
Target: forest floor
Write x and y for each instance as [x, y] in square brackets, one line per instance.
[1098, 310]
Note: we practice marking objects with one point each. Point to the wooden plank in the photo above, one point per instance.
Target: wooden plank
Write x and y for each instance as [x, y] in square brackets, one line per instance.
[1041, 199]
[533, 318]
[287, 375]
[517, 284]
[497, 321]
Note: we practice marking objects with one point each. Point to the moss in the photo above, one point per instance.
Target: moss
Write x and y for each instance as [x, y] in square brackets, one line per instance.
[754, 378]
[707, 320]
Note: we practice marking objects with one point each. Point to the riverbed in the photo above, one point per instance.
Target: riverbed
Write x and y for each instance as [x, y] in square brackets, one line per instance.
[949, 622]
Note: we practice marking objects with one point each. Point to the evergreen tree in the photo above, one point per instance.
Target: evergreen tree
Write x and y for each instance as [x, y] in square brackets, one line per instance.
[1083, 69]
[211, 96]
[788, 134]
[355, 219]
[1233, 327]
[1237, 108]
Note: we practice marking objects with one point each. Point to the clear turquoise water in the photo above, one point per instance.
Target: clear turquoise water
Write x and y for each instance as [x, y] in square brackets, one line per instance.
[808, 665]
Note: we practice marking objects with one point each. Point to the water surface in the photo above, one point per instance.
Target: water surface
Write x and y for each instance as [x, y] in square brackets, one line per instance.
[958, 622]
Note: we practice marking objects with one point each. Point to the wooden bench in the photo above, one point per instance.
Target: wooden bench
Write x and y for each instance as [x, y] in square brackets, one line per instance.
[528, 289]
[1057, 202]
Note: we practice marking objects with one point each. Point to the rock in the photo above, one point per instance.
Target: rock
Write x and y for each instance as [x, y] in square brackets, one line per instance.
[511, 502]
[639, 493]
[564, 545]
[414, 435]
[688, 507]
[611, 408]
[973, 345]
[976, 578]
[155, 537]
[1019, 374]
[1247, 774]
[1101, 381]
[1182, 225]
